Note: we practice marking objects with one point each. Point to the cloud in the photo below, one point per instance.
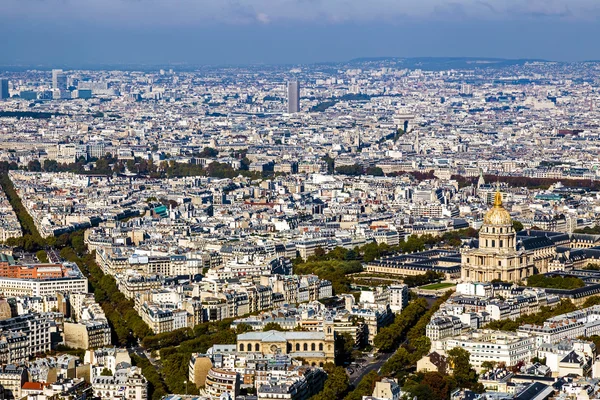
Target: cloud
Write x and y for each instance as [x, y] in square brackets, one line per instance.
[262, 17]
[174, 12]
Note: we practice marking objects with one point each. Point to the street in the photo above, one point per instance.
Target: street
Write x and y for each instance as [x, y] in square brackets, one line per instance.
[373, 365]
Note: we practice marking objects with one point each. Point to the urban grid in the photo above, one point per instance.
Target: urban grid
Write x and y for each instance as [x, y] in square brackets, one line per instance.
[377, 229]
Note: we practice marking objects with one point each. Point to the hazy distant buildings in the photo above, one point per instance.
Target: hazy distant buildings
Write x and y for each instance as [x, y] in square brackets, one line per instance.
[59, 79]
[4, 89]
[293, 97]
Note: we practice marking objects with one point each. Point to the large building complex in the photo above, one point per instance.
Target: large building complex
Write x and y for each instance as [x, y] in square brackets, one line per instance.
[498, 256]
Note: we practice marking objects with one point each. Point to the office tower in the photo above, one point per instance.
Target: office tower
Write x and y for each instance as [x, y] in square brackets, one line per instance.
[4, 89]
[293, 97]
[59, 79]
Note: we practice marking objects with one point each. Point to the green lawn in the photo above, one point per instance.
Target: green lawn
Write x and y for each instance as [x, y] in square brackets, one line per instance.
[437, 286]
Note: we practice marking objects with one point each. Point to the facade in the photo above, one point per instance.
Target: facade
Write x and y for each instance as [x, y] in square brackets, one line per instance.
[11, 380]
[42, 287]
[59, 79]
[293, 88]
[40, 271]
[572, 325]
[220, 381]
[447, 262]
[36, 327]
[497, 256]
[4, 89]
[127, 384]
[387, 389]
[317, 348]
[14, 347]
[300, 387]
[398, 297]
[87, 334]
[443, 326]
[500, 347]
[159, 320]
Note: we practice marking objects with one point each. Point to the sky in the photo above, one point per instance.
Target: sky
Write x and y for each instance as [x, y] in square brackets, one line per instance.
[216, 32]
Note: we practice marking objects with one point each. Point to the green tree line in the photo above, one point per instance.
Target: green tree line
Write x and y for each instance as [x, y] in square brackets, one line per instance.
[555, 282]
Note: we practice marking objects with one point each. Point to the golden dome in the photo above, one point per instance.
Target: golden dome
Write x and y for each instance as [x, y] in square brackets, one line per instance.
[497, 215]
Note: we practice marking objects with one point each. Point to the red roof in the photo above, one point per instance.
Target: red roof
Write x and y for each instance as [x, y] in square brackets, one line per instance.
[32, 386]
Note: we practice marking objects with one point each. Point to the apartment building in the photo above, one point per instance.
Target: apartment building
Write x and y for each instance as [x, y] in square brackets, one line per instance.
[127, 383]
[486, 345]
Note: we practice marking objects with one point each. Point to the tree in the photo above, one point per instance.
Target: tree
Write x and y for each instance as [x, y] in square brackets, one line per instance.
[352, 170]
[439, 385]
[106, 372]
[375, 171]
[399, 361]
[243, 328]
[365, 386]
[418, 390]
[34, 166]
[319, 253]
[385, 339]
[517, 226]
[209, 152]
[50, 165]
[336, 384]
[464, 374]
[344, 344]
[42, 256]
[422, 345]
[488, 365]
[330, 163]
[272, 326]
[555, 282]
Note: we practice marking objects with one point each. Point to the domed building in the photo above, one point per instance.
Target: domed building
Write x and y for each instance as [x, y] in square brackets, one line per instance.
[497, 256]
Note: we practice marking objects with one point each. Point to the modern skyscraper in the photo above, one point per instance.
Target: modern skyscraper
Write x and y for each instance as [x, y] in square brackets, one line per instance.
[59, 79]
[293, 97]
[4, 89]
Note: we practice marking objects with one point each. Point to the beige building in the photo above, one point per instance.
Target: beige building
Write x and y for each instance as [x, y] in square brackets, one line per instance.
[497, 256]
[87, 335]
[11, 380]
[316, 348]
[387, 388]
[198, 369]
[219, 381]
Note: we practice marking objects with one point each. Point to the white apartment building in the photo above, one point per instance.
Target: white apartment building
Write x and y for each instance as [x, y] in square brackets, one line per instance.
[500, 347]
[398, 297]
[127, 384]
[42, 287]
[443, 326]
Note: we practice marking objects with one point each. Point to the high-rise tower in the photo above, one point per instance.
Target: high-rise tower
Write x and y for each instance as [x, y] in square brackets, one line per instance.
[4, 89]
[293, 97]
[59, 79]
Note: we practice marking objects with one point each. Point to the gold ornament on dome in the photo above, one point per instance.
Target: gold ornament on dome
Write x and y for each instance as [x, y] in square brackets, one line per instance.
[497, 215]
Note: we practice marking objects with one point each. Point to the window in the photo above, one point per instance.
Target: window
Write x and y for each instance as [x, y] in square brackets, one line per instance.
[257, 347]
[320, 346]
[297, 346]
[313, 347]
[305, 347]
[501, 243]
[241, 346]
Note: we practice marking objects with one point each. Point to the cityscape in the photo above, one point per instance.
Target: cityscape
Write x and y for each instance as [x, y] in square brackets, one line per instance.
[374, 229]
